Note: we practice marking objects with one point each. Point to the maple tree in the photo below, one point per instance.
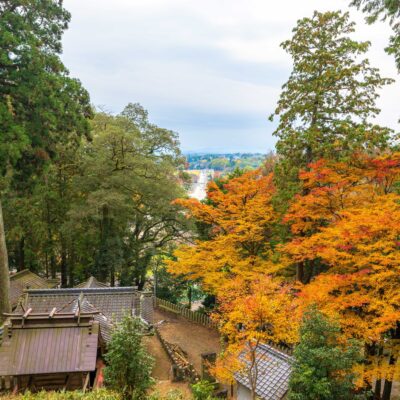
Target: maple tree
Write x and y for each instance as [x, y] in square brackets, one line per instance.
[249, 315]
[348, 224]
[241, 241]
[344, 228]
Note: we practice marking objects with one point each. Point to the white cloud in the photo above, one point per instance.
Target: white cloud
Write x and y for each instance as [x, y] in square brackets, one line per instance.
[216, 58]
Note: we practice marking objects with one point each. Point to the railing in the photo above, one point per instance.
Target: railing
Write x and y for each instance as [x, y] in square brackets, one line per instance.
[193, 316]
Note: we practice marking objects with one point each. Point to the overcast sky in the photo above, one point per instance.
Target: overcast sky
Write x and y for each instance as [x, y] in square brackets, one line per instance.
[210, 70]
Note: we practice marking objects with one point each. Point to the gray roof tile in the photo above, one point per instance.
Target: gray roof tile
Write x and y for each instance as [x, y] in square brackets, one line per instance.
[274, 369]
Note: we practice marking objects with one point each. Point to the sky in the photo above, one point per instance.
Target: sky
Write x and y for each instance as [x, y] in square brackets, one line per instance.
[210, 70]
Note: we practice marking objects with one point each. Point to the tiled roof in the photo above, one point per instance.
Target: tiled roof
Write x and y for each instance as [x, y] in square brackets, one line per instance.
[274, 369]
[24, 280]
[92, 282]
[113, 302]
[106, 325]
[43, 344]
[110, 303]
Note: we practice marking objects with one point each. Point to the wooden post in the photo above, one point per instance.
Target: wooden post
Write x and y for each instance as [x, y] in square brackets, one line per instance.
[86, 383]
[5, 306]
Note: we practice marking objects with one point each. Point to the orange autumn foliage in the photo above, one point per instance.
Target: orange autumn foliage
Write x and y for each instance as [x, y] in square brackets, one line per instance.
[241, 218]
[250, 314]
[349, 223]
[345, 227]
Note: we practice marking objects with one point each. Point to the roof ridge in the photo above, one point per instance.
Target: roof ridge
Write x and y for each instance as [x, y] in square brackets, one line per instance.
[119, 289]
[22, 272]
[277, 352]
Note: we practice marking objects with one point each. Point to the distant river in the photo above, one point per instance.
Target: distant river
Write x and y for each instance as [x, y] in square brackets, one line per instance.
[198, 190]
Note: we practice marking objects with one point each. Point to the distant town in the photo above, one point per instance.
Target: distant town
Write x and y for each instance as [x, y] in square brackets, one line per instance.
[224, 161]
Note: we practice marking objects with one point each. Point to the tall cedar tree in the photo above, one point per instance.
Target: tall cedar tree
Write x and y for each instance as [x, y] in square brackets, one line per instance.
[325, 106]
[384, 10]
[39, 104]
[323, 364]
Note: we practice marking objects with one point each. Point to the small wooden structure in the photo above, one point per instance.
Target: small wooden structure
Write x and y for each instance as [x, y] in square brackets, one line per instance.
[51, 351]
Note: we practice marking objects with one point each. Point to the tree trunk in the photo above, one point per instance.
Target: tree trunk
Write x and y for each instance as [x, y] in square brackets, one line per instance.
[112, 276]
[387, 390]
[300, 272]
[46, 263]
[387, 387]
[4, 271]
[378, 383]
[64, 269]
[378, 389]
[53, 266]
[71, 266]
[21, 254]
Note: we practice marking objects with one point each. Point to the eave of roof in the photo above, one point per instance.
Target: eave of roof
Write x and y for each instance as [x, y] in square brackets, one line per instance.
[42, 345]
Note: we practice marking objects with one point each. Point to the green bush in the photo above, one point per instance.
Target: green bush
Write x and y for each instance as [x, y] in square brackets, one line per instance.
[323, 367]
[171, 395]
[128, 363]
[101, 394]
[203, 390]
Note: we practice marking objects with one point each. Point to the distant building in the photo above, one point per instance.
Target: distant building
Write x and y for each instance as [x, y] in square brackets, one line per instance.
[26, 279]
[274, 369]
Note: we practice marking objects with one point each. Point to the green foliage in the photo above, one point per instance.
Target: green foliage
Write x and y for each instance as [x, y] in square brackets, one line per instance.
[128, 364]
[203, 390]
[40, 105]
[171, 395]
[168, 287]
[325, 106]
[101, 207]
[323, 365]
[100, 394]
[384, 10]
[126, 188]
[225, 162]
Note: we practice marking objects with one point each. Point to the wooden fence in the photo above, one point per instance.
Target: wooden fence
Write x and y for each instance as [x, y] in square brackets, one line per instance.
[193, 316]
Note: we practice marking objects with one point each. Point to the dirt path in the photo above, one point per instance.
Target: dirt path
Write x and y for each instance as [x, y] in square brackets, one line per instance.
[162, 365]
[162, 371]
[194, 339]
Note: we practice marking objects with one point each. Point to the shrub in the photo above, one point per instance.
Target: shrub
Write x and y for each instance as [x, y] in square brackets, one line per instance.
[203, 390]
[101, 394]
[171, 395]
[129, 365]
[323, 364]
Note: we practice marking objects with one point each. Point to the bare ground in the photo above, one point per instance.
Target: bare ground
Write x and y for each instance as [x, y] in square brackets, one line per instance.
[162, 370]
[194, 339]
